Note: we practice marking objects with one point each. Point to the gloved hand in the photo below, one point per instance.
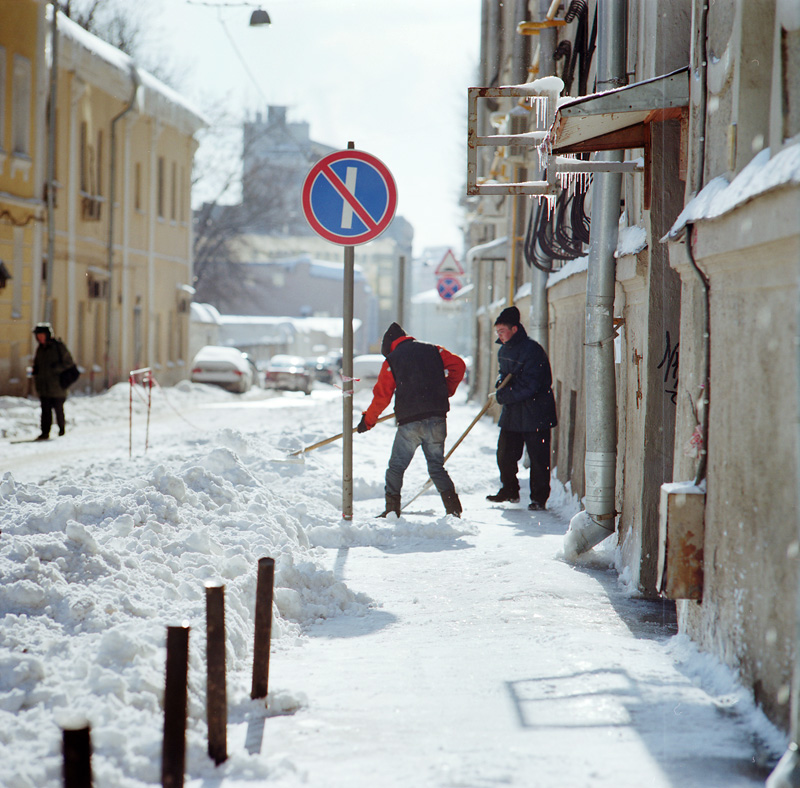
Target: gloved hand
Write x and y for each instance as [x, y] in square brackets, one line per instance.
[362, 425]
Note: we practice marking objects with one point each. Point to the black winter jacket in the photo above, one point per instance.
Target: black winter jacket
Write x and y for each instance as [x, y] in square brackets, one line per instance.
[527, 400]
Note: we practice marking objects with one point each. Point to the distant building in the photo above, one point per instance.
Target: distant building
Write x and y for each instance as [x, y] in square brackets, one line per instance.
[119, 303]
[300, 287]
[277, 155]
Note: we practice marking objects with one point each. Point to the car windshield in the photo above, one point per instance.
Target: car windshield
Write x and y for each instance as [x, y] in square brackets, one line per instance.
[284, 362]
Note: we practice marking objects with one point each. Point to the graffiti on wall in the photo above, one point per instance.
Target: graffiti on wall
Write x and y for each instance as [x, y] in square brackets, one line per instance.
[669, 363]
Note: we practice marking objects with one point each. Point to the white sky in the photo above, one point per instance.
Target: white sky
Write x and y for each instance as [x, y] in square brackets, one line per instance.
[391, 77]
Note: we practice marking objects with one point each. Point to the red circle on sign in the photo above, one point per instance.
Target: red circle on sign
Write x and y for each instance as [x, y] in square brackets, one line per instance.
[387, 200]
[448, 286]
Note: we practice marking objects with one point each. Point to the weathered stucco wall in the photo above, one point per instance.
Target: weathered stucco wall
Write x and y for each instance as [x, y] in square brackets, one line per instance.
[567, 301]
[747, 615]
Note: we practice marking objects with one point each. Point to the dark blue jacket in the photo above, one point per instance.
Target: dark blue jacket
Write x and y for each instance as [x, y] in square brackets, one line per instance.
[527, 399]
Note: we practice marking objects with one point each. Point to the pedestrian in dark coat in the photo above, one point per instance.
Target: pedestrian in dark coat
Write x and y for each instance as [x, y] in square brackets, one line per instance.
[529, 410]
[422, 378]
[50, 360]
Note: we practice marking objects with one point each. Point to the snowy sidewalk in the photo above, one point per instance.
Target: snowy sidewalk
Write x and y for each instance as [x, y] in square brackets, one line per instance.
[490, 662]
[420, 652]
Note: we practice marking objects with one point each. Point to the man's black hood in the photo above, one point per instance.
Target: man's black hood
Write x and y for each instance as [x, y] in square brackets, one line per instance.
[392, 333]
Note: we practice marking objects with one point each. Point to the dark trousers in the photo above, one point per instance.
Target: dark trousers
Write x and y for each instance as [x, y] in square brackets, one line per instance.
[509, 452]
[50, 404]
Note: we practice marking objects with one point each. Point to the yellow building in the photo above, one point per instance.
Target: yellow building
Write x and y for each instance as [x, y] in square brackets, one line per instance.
[119, 283]
[22, 78]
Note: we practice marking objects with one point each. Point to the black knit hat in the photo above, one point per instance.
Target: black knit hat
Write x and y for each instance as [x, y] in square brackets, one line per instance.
[43, 328]
[508, 317]
[393, 332]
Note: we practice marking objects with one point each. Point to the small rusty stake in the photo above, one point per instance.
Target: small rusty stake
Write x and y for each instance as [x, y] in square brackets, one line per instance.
[173, 756]
[264, 585]
[216, 691]
[77, 748]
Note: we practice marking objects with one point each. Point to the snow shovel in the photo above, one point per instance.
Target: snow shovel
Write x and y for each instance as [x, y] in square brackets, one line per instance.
[483, 410]
[334, 438]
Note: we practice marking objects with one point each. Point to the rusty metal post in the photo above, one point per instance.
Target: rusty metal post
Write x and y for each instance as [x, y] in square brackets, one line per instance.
[77, 748]
[264, 584]
[216, 691]
[173, 754]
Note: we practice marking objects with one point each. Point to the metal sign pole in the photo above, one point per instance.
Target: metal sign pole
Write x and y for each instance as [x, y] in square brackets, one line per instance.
[347, 372]
[349, 198]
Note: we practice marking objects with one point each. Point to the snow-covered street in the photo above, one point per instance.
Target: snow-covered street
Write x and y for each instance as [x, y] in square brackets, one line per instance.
[419, 651]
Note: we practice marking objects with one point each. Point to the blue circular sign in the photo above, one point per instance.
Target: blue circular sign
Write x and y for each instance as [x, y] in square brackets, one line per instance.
[349, 197]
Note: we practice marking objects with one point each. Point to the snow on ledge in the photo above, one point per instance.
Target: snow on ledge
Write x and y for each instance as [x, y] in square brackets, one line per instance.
[763, 174]
[631, 241]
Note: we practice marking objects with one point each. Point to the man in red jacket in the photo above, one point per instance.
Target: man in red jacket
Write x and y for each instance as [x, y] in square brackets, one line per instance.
[422, 377]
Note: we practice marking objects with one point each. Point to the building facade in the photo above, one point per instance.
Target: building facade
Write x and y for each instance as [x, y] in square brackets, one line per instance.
[687, 256]
[23, 81]
[118, 287]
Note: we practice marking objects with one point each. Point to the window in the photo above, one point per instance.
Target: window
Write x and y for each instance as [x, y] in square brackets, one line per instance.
[137, 186]
[182, 201]
[99, 163]
[173, 197]
[84, 154]
[2, 99]
[160, 184]
[21, 96]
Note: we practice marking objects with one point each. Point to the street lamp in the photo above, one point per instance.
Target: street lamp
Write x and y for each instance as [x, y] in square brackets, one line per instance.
[257, 18]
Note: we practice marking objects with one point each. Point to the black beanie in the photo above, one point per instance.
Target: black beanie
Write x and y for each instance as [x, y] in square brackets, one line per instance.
[393, 332]
[508, 317]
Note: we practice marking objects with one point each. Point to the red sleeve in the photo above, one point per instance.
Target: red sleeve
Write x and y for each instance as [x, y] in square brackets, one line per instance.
[382, 394]
[454, 368]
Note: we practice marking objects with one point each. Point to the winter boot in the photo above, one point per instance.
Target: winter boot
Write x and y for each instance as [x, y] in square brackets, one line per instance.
[392, 505]
[451, 503]
[504, 495]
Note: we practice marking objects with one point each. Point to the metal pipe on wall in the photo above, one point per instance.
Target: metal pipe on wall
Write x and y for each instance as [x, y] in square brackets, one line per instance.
[538, 324]
[112, 193]
[599, 372]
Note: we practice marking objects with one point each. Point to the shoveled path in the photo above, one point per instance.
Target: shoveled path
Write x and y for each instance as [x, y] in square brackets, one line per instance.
[491, 662]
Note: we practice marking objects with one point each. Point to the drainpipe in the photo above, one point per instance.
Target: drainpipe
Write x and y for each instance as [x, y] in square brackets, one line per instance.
[112, 193]
[538, 324]
[473, 262]
[598, 521]
[518, 123]
[51, 169]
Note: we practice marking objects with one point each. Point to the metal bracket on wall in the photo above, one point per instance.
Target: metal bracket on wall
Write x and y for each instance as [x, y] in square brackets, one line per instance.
[637, 358]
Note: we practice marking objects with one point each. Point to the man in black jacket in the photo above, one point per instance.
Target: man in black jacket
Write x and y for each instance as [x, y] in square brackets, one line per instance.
[422, 377]
[529, 410]
[49, 361]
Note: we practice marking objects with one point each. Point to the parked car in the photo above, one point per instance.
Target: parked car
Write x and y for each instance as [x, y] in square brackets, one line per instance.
[323, 368]
[222, 366]
[366, 369]
[288, 373]
[258, 375]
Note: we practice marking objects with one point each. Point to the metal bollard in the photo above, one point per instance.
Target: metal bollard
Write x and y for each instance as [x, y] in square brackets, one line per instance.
[216, 692]
[264, 585]
[77, 748]
[173, 755]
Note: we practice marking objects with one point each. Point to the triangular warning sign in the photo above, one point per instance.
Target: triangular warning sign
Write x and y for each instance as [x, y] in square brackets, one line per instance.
[449, 265]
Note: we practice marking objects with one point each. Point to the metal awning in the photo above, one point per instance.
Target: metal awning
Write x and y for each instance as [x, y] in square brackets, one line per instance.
[621, 118]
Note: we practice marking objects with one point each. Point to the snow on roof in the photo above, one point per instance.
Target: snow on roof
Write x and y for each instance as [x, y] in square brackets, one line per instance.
[539, 86]
[101, 63]
[763, 174]
[631, 241]
[571, 268]
[321, 269]
[204, 313]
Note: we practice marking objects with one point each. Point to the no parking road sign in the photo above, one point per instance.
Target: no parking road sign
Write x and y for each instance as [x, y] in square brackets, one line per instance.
[448, 286]
[349, 197]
